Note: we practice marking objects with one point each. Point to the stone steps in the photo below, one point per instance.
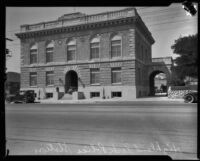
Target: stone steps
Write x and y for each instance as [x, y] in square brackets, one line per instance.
[67, 96]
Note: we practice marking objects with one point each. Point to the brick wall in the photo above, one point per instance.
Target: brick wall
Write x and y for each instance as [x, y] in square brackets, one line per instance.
[83, 41]
[129, 48]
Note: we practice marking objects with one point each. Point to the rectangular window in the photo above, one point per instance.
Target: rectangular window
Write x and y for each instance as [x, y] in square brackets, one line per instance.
[49, 55]
[116, 75]
[94, 50]
[116, 94]
[95, 76]
[49, 95]
[94, 94]
[116, 48]
[71, 51]
[33, 56]
[33, 79]
[49, 78]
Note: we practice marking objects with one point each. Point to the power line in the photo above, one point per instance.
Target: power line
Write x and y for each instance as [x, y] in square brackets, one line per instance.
[175, 22]
[169, 22]
[15, 38]
[141, 14]
[159, 11]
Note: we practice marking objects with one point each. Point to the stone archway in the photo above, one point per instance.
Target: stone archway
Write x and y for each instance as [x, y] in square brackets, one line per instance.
[159, 65]
[71, 81]
[152, 81]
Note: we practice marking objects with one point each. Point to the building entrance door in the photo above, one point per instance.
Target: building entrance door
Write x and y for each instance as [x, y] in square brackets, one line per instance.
[71, 81]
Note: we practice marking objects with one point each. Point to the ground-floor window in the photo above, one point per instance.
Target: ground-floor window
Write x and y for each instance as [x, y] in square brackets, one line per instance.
[94, 94]
[33, 79]
[116, 75]
[95, 76]
[49, 95]
[49, 78]
[116, 94]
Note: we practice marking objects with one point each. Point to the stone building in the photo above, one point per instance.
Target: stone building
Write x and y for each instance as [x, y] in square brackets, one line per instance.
[103, 55]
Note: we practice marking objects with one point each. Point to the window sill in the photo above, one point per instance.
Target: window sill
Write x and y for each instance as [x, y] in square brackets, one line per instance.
[71, 61]
[97, 84]
[117, 83]
[94, 59]
[117, 57]
[33, 64]
[33, 86]
[49, 85]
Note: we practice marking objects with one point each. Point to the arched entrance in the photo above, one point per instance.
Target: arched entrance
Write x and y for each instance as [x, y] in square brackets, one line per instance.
[71, 81]
[159, 86]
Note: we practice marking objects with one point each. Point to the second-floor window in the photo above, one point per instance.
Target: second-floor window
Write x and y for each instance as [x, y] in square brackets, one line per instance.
[94, 48]
[33, 54]
[49, 78]
[116, 46]
[94, 76]
[71, 50]
[49, 52]
[33, 79]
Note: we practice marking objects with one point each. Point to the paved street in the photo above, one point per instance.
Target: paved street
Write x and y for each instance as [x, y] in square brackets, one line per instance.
[111, 129]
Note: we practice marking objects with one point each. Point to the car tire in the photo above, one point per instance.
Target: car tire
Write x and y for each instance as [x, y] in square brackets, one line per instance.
[189, 99]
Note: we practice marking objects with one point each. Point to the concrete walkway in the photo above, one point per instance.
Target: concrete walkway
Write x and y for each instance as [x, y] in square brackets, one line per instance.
[116, 100]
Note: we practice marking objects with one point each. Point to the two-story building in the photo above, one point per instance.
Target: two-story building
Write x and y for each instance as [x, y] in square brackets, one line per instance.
[103, 55]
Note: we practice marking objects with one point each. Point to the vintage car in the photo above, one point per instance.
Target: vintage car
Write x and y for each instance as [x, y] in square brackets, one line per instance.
[191, 97]
[27, 96]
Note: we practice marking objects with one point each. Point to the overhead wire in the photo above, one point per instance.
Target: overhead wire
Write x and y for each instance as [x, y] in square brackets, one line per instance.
[141, 14]
[165, 18]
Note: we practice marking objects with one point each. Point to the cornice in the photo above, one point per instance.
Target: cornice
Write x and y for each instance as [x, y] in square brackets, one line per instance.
[75, 63]
[75, 28]
[142, 27]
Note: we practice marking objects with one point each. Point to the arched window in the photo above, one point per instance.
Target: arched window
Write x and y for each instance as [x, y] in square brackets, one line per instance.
[94, 48]
[116, 46]
[33, 54]
[71, 50]
[49, 52]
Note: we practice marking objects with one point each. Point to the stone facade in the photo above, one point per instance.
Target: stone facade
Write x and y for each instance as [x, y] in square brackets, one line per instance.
[134, 60]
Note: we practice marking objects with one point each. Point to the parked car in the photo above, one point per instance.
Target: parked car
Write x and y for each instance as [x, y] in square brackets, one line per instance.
[27, 96]
[191, 97]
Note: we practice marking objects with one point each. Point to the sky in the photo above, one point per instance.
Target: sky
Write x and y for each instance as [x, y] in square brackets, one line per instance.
[166, 24]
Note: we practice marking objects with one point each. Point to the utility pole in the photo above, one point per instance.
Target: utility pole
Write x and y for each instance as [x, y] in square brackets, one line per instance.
[7, 54]
[7, 50]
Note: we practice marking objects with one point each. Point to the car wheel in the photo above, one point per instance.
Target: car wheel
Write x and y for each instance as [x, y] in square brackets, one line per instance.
[189, 98]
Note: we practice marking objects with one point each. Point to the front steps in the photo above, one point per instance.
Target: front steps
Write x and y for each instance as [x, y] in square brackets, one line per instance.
[67, 96]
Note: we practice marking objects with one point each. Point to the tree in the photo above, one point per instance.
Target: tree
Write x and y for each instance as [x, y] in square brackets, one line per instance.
[186, 63]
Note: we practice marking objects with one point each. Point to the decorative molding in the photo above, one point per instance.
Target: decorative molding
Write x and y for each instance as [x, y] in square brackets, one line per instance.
[93, 25]
[49, 69]
[79, 63]
[94, 65]
[74, 68]
[32, 69]
[116, 64]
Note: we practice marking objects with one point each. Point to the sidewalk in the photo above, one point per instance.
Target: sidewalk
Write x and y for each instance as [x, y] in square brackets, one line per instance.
[113, 100]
